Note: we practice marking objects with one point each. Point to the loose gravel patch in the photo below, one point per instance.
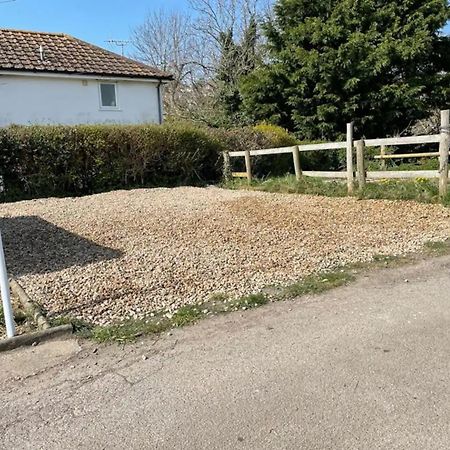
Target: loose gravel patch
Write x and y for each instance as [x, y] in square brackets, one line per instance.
[122, 254]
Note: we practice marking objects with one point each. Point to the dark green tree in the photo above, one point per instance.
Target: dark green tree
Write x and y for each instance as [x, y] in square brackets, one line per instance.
[227, 76]
[237, 60]
[382, 63]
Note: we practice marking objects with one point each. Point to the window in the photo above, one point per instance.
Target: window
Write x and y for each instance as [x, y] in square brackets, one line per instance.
[108, 96]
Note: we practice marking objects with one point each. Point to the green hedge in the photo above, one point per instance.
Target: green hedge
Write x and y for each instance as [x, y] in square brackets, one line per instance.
[41, 161]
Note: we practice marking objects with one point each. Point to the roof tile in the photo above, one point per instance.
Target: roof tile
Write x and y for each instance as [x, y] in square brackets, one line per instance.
[19, 50]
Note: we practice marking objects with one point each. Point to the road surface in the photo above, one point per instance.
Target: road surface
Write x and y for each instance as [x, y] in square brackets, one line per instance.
[362, 367]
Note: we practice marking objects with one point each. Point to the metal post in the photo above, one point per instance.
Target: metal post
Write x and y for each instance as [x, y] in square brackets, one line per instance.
[350, 158]
[6, 298]
[443, 153]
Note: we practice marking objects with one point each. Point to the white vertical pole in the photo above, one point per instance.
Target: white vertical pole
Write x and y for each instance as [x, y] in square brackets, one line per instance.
[248, 166]
[350, 158]
[443, 153]
[6, 298]
[297, 166]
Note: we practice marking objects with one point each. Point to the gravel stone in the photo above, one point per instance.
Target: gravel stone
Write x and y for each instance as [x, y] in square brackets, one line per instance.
[123, 254]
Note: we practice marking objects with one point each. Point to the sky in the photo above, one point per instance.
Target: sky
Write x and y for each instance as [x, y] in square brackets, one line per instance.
[95, 21]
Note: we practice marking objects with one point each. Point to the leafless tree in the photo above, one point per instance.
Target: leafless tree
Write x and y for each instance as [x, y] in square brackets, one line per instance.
[167, 40]
[214, 18]
[189, 46]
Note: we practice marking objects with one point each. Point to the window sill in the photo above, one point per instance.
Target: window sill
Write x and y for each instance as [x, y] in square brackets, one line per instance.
[110, 109]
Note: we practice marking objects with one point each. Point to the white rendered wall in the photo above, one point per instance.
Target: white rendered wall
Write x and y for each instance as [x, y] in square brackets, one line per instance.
[26, 100]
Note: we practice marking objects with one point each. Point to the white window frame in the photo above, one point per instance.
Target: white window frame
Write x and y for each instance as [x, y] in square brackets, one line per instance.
[116, 90]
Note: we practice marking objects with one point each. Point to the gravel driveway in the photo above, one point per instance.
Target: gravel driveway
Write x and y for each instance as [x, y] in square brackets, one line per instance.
[125, 253]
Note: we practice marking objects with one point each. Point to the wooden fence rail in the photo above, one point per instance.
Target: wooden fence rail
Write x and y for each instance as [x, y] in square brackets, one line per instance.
[376, 175]
[407, 155]
[443, 139]
[408, 140]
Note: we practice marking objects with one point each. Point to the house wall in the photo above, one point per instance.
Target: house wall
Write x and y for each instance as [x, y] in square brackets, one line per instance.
[29, 100]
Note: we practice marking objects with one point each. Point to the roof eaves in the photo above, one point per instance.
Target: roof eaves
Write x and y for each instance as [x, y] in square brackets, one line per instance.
[10, 68]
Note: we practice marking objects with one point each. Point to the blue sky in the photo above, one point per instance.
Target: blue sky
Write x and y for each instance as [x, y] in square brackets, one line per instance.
[92, 20]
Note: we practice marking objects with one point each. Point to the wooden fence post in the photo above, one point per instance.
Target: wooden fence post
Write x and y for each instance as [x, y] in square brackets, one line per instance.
[226, 166]
[297, 166]
[349, 147]
[360, 163]
[443, 153]
[248, 166]
[383, 161]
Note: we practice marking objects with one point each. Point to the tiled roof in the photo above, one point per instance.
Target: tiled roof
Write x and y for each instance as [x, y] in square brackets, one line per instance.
[20, 51]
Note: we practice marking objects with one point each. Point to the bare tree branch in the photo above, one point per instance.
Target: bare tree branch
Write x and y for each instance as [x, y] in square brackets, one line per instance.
[191, 47]
[167, 40]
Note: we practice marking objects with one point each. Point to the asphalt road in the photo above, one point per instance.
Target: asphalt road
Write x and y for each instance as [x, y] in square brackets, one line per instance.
[362, 367]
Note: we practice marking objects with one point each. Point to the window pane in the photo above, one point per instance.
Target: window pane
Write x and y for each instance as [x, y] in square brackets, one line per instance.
[108, 94]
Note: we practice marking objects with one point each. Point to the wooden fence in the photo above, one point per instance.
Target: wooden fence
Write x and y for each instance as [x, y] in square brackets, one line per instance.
[353, 146]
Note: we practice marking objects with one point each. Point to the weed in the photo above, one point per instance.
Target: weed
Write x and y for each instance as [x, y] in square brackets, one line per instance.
[186, 315]
[382, 261]
[315, 284]
[80, 327]
[128, 331]
[437, 248]
[249, 301]
[20, 316]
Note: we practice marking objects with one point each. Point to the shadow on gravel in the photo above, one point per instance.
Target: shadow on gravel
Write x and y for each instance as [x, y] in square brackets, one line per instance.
[35, 246]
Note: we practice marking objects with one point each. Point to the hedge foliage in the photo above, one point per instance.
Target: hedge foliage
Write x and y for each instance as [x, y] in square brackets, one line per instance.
[41, 161]
[38, 161]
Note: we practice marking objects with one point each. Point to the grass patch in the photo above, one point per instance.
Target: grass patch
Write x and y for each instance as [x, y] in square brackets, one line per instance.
[392, 165]
[315, 284]
[126, 332]
[438, 248]
[290, 185]
[384, 261]
[80, 327]
[420, 189]
[159, 322]
[249, 301]
[186, 315]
